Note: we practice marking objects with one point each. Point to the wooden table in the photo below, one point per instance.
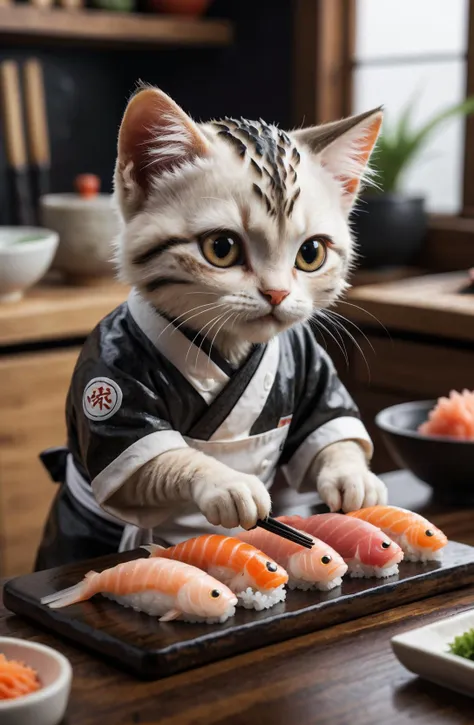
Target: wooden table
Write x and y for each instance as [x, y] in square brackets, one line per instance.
[340, 676]
[416, 341]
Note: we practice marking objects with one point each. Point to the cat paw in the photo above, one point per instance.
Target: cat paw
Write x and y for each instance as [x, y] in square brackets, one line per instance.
[344, 480]
[238, 501]
[351, 490]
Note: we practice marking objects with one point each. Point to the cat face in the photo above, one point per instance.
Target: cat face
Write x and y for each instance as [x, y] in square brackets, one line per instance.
[235, 228]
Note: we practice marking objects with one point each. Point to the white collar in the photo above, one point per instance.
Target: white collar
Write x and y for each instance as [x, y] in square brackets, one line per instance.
[199, 370]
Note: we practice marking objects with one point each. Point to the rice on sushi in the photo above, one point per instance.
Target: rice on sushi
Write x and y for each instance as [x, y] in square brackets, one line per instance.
[367, 551]
[158, 587]
[317, 568]
[418, 538]
[257, 580]
[452, 417]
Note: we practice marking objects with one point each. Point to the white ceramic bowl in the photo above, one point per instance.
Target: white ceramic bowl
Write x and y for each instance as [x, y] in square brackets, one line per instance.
[47, 705]
[425, 651]
[86, 228]
[26, 254]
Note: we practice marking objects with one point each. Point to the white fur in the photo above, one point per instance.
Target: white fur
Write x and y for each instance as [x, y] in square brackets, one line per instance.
[207, 186]
[215, 192]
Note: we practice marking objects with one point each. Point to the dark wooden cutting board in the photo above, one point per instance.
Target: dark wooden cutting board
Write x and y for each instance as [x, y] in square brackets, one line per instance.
[151, 649]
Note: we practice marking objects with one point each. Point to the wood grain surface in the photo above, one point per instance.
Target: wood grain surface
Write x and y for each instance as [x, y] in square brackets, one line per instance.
[342, 675]
[428, 305]
[449, 242]
[99, 28]
[55, 311]
[33, 393]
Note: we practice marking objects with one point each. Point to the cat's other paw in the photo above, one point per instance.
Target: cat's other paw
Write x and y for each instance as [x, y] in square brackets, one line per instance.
[344, 480]
[351, 490]
[237, 501]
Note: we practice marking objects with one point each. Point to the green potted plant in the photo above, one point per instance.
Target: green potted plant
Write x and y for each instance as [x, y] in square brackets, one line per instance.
[388, 224]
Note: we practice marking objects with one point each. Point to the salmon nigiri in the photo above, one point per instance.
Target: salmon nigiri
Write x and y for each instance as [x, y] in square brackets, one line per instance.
[318, 568]
[419, 539]
[366, 550]
[253, 576]
[158, 587]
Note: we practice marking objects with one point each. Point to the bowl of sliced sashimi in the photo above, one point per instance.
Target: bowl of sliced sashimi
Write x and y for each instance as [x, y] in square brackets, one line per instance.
[434, 439]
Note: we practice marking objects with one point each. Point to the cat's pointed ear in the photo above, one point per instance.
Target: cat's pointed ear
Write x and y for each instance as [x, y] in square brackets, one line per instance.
[155, 136]
[344, 148]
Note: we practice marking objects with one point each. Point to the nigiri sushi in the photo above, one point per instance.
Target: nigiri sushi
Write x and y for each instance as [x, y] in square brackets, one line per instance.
[418, 538]
[257, 580]
[16, 679]
[159, 587]
[318, 568]
[367, 551]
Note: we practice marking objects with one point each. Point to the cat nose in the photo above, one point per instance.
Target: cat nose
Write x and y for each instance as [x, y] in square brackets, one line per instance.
[275, 296]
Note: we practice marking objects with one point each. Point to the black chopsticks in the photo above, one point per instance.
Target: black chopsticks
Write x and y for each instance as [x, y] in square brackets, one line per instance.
[21, 207]
[285, 531]
[38, 135]
[27, 184]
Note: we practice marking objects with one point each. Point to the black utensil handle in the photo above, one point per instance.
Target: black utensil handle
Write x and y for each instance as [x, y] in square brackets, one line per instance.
[40, 186]
[22, 211]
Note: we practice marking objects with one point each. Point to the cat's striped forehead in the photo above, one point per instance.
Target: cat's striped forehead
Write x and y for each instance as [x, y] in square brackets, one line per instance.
[273, 160]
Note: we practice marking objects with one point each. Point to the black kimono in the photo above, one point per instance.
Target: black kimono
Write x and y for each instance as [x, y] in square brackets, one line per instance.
[142, 386]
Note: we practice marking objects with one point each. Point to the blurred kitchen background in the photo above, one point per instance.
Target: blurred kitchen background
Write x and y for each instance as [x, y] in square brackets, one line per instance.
[66, 74]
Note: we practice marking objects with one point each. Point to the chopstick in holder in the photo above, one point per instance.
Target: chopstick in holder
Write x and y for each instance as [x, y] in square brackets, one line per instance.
[285, 531]
[37, 124]
[10, 104]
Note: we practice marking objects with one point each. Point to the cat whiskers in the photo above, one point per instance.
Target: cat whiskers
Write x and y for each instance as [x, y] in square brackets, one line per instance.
[332, 313]
[212, 322]
[215, 321]
[357, 307]
[218, 330]
[210, 307]
[338, 324]
[316, 317]
[171, 324]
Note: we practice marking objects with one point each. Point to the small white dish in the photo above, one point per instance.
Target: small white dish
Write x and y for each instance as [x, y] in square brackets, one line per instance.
[26, 253]
[47, 705]
[425, 651]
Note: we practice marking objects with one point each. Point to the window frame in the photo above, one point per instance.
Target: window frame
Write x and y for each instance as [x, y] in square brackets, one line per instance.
[323, 80]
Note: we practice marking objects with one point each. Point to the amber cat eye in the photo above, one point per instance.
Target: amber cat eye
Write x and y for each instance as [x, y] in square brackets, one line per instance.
[311, 255]
[222, 249]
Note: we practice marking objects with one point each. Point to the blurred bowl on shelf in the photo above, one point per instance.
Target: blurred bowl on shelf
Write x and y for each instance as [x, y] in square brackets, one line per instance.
[186, 8]
[26, 254]
[47, 705]
[119, 6]
[87, 224]
[445, 464]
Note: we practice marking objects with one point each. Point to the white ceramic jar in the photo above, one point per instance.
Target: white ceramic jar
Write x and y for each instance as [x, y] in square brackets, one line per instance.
[87, 224]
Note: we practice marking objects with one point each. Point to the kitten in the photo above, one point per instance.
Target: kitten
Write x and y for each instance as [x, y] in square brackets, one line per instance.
[260, 191]
[238, 231]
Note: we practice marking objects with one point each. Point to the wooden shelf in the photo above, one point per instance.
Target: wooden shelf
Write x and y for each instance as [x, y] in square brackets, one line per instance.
[55, 311]
[429, 305]
[100, 28]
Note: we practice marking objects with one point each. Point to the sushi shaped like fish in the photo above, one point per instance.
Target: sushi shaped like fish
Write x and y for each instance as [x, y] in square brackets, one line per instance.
[318, 568]
[367, 551]
[258, 581]
[159, 587]
[418, 538]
